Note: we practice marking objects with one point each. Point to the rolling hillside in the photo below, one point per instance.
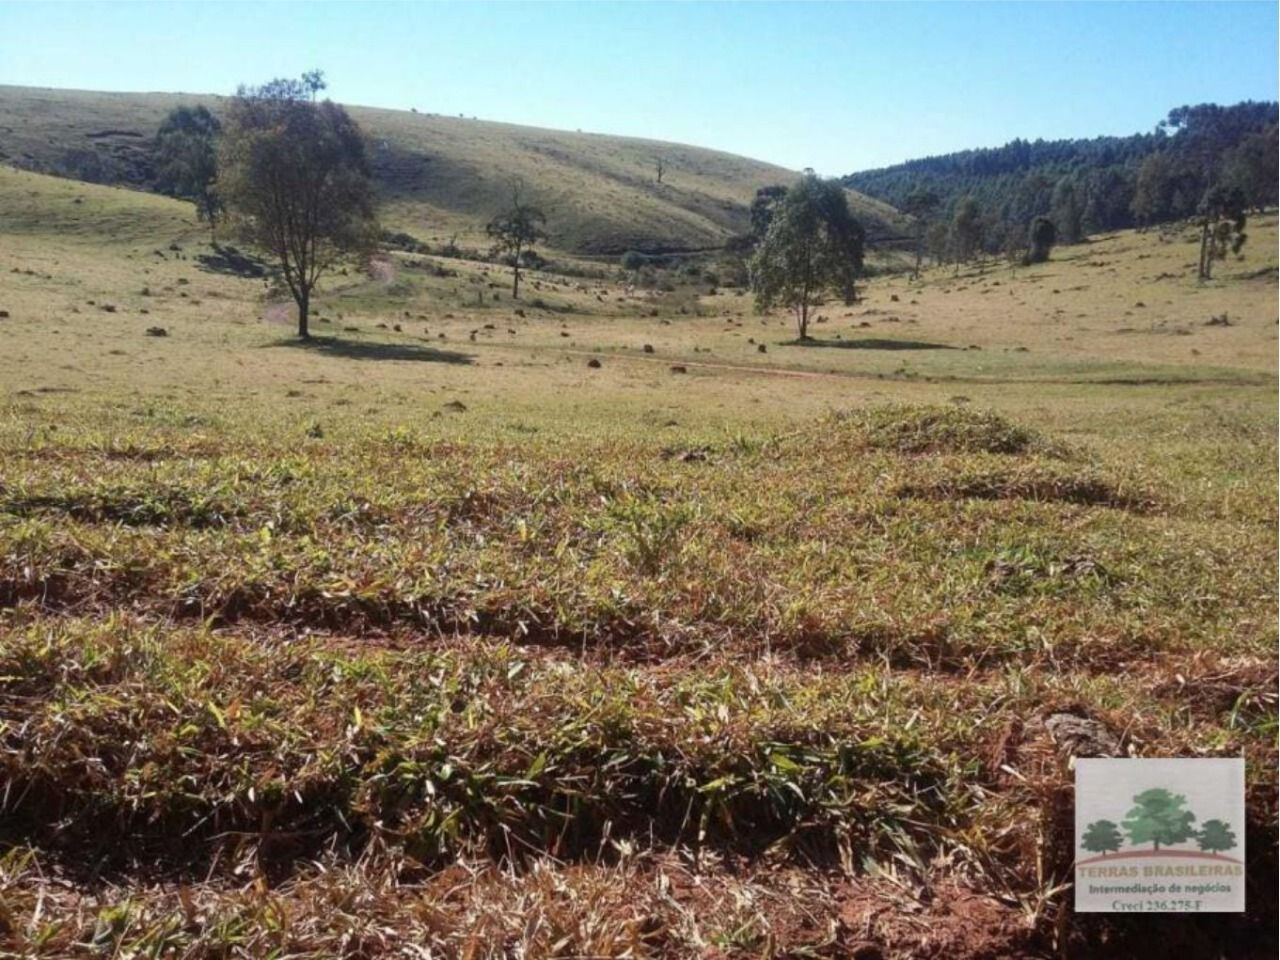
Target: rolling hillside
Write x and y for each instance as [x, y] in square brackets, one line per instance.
[442, 176]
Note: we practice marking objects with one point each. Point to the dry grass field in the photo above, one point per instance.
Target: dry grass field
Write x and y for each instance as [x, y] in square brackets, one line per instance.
[611, 622]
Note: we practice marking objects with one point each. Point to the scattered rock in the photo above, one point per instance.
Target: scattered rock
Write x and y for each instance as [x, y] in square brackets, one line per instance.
[455, 406]
[648, 348]
[1081, 736]
[594, 364]
[157, 332]
[4, 314]
[1222, 321]
[762, 348]
[679, 368]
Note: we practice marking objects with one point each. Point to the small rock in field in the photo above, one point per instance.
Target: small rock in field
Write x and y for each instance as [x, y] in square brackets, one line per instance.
[157, 332]
[594, 364]
[1080, 736]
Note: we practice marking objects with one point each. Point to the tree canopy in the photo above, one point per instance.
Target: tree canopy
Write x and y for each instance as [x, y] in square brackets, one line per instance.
[1108, 183]
[1215, 836]
[1158, 817]
[515, 231]
[186, 152]
[294, 174]
[812, 246]
[1102, 836]
[1042, 237]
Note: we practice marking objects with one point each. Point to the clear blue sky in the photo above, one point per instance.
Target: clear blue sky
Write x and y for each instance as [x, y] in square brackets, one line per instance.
[836, 86]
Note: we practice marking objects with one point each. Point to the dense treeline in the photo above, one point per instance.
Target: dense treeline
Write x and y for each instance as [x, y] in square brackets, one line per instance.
[1106, 183]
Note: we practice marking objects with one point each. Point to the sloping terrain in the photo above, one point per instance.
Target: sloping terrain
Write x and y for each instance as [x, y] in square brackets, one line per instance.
[612, 622]
[442, 176]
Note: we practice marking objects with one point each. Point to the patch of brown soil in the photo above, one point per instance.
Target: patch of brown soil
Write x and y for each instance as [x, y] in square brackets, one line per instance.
[879, 923]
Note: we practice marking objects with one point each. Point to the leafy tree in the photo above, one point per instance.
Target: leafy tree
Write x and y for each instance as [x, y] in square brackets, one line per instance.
[186, 153]
[313, 82]
[294, 173]
[1158, 818]
[1251, 167]
[921, 205]
[1222, 222]
[1068, 211]
[1032, 198]
[937, 240]
[1014, 247]
[813, 245]
[1042, 236]
[1152, 189]
[966, 230]
[762, 207]
[1109, 198]
[632, 261]
[516, 230]
[1102, 836]
[1215, 836]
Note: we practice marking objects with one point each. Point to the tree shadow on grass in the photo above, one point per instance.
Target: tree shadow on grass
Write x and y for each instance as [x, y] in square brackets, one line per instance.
[871, 343]
[232, 261]
[366, 350]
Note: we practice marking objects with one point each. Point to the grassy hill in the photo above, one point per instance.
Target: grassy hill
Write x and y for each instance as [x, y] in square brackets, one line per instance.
[442, 176]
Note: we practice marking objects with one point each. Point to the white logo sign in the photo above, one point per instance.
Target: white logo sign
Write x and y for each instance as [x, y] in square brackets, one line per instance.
[1159, 836]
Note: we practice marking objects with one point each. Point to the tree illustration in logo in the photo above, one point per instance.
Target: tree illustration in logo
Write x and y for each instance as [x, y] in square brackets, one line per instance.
[1158, 818]
[1102, 836]
[1215, 836]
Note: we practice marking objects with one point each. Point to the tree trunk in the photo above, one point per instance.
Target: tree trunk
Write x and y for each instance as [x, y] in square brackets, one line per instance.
[804, 320]
[1203, 272]
[304, 309]
[515, 283]
[915, 275]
